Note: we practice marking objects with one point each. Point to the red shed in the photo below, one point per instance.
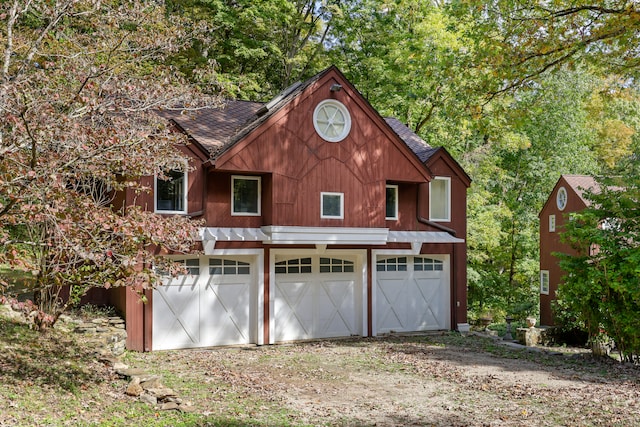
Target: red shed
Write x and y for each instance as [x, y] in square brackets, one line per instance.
[567, 196]
[323, 219]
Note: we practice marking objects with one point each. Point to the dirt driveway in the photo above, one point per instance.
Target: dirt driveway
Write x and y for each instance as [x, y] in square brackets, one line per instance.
[443, 380]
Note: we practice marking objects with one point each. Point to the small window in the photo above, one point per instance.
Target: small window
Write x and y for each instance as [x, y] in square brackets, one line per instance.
[336, 265]
[332, 205]
[228, 266]
[392, 202]
[293, 266]
[392, 264]
[245, 197]
[552, 223]
[427, 264]
[440, 199]
[171, 193]
[544, 282]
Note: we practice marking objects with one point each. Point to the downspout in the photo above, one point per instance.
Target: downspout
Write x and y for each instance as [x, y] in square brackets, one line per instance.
[429, 222]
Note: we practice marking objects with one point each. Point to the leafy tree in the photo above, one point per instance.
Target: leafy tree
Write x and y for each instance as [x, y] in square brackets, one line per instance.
[255, 48]
[79, 83]
[530, 38]
[602, 282]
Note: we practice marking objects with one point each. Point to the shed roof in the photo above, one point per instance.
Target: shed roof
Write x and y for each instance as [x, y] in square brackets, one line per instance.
[581, 184]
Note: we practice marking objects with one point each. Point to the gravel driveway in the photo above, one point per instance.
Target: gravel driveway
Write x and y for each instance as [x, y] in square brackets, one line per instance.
[422, 380]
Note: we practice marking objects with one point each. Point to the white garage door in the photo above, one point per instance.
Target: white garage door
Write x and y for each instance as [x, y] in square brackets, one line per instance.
[412, 293]
[215, 304]
[316, 297]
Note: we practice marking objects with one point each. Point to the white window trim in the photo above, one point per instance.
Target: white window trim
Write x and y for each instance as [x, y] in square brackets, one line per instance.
[395, 187]
[562, 197]
[347, 120]
[544, 274]
[322, 215]
[184, 191]
[246, 177]
[448, 218]
[552, 223]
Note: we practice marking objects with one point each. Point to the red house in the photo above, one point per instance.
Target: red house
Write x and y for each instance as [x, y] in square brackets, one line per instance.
[323, 219]
[567, 196]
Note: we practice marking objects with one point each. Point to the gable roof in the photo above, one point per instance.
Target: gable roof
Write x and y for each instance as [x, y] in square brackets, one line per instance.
[418, 145]
[218, 129]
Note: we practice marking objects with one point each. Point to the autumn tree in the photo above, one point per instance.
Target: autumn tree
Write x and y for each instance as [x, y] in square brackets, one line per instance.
[80, 83]
[531, 38]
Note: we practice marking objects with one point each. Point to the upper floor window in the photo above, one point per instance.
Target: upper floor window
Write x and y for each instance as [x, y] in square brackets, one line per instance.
[171, 193]
[332, 205]
[245, 195]
[392, 202]
[440, 199]
[552, 223]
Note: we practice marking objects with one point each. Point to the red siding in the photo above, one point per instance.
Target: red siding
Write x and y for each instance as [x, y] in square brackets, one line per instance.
[550, 243]
[302, 165]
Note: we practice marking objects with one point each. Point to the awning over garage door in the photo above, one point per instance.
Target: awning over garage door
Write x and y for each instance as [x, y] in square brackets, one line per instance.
[322, 236]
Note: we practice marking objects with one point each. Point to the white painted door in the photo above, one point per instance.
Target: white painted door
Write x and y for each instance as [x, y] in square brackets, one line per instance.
[215, 304]
[412, 293]
[316, 297]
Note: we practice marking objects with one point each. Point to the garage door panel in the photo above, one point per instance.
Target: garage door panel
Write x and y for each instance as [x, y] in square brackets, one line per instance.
[215, 305]
[391, 297]
[412, 299]
[228, 306]
[315, 297]
[180, 323]
[336, 316]
[293, 309]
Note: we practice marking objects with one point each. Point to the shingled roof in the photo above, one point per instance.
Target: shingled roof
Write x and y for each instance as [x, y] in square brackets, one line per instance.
[217, 129]
[423, 150]
[581, 184]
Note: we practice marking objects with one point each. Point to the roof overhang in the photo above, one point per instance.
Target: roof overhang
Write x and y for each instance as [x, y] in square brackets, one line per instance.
[322, 236]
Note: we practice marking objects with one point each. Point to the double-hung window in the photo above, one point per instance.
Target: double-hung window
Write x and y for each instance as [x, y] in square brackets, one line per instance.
[391, 202]
[171, 193]
[440, 199]
[245, 195]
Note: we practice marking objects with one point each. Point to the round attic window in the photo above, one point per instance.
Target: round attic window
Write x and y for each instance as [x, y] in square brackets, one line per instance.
[332, 120]
[561, 198]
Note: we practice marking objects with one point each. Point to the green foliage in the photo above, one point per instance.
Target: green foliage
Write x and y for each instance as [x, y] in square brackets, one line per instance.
[602, 285]
[255, 48]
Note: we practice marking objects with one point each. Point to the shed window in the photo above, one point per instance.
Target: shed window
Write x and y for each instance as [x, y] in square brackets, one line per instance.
[392, 202]
[171, 193]
[427, 264]
[440, 199]
[392, 264]
[544, 282]
[245, 197]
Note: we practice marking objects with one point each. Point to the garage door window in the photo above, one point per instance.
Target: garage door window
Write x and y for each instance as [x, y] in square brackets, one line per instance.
[335, 265]
[294, 266]
[392, 264]
[228, 266]
[427, 264]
